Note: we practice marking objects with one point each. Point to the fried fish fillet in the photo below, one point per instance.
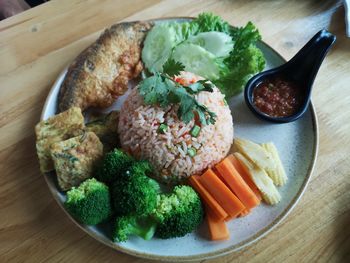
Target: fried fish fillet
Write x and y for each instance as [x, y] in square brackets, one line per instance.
[102, 71]
[57, 128]
[74, 159]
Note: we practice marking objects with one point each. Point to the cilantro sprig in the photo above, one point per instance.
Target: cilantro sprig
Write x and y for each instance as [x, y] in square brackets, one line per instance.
[160, 88]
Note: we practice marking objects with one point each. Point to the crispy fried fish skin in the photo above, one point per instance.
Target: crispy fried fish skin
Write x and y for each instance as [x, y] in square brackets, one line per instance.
[57, 128]
[102, 71]
[74, 159]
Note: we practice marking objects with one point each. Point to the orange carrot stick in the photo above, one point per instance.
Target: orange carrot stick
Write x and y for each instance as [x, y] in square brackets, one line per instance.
[245, 175]
[227, 219]
[217, 228]
[244, 213]
[207, 198]
[222, 194]
[237, 184]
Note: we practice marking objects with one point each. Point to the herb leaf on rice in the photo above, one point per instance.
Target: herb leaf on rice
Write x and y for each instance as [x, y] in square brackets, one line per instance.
[162, 89]
[173, 68]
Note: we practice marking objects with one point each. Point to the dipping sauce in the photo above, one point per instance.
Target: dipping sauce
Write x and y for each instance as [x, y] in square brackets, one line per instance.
[277, 97]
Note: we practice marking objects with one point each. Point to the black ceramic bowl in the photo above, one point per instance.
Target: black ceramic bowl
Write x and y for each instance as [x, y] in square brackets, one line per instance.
[300, 70]
[248, 96]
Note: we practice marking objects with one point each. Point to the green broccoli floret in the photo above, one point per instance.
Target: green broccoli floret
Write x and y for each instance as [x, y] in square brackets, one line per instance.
[89, 203]
[113, 165]
[125, 226]
[178, 213]
[141, 168]
[134, 192]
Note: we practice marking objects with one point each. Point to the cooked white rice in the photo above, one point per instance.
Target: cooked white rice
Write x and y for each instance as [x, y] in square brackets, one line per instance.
[138, 131]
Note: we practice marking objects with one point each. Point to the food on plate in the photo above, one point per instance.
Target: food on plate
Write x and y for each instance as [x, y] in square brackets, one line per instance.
[244, 61]
[178, 213]
[277, 97]
[255, 153]
[74, 159]
[69, 124]
[174, 130]
[224, 196]
[243, 173]
[278, 175]
[55, 129]
[102, 71]
[235, 182]
[105, 127]
[209, 200]
[260, 160]
[178, 87]
[114, 164]
[217, 43]
[207, 46]
[244, 213]
[131, 225]
[259, 176]
[181, 149]
[134, 192]
[217, 227]
[232, 188]
[198, 60]
[89, 203]
[141, 207]
[59, 124]
[158, 46]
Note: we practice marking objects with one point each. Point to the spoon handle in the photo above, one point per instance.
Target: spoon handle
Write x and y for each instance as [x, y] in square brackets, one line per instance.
[347, 16]
[306, 63]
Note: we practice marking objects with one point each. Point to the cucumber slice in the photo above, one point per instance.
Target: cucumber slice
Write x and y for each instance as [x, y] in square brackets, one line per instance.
[183, 30]
[197, 60]
[217, 43]
[158, 46]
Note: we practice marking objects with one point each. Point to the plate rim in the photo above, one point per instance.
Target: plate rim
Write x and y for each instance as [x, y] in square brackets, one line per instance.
[221, 252]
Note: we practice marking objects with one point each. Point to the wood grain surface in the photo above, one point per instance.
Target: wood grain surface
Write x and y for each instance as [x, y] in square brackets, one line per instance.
[37, 44]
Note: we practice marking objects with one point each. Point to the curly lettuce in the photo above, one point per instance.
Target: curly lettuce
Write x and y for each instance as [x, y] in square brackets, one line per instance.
[244, 60]
[205, 22]
[240, 69]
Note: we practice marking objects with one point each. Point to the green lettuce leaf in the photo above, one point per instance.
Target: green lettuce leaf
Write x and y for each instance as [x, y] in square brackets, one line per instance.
[205, 22]
[240, 69]
[244, 61]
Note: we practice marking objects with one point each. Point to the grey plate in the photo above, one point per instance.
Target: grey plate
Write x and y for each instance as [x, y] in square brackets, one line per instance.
[297, 143]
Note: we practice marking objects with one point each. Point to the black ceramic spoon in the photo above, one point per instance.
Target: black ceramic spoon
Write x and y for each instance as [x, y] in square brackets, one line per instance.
[301, 70]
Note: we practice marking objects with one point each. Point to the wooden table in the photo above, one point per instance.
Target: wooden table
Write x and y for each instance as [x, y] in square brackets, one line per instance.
[37, 44]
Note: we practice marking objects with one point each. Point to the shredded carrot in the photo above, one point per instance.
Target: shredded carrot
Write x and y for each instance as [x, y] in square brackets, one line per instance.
[222, 194]
[207, 198]
[245, 175]
[237, 184]
[217, 228]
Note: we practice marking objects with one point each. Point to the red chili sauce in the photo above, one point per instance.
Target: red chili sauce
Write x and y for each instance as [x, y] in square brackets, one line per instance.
[277, 97]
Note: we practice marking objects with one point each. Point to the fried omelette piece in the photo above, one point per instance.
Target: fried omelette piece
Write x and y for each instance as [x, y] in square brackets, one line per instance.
[74, 159]
[102, 71]
[105, 127]
[57, 128]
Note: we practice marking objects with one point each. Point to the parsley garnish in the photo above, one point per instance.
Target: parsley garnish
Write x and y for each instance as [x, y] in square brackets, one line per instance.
[163, 90]
[173, 68]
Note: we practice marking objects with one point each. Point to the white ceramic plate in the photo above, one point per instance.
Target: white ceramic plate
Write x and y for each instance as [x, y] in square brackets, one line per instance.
[297, 143]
